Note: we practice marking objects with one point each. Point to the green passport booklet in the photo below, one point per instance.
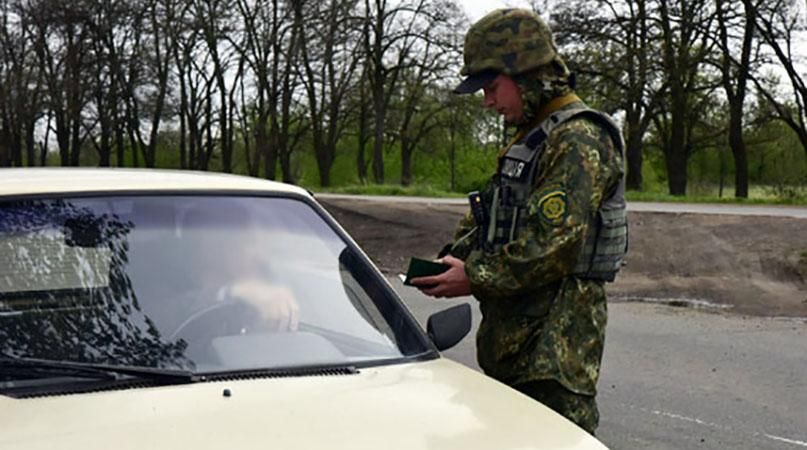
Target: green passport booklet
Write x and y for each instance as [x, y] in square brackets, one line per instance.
[423, 268]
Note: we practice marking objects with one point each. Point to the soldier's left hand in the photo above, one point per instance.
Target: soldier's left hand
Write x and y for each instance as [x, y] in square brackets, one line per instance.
[451, 283]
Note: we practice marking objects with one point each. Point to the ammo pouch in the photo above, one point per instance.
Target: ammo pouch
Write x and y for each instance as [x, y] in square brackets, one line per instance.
[606, 244]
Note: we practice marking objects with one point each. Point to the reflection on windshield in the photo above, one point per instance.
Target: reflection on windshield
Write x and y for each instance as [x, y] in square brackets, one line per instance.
[197, 283]
[65, 301]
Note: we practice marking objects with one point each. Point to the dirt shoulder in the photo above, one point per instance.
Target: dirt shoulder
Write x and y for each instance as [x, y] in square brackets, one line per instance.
[741, 264]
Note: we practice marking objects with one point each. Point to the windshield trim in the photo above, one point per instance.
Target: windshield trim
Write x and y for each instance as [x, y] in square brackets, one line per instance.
[429, 350]
[66, 385]
[306, 368]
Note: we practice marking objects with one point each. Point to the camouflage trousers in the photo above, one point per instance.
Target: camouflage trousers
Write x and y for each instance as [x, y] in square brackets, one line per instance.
[580, 409]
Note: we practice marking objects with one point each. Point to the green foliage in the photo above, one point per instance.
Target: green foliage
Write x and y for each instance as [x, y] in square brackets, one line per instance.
[777, 165]
[654, 173]
[431, 168]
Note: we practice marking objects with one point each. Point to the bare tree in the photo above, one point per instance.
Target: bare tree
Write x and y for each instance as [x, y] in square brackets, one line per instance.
[62, 33]
[192, 65]
[212, 17]
[388, 44]
[112, 30]
[268, 45]
[432, 59]
[21, 86]
[327, 75]
[619, 44]
[686, 27]
[781, 25]
[363, 121]
[734, 76]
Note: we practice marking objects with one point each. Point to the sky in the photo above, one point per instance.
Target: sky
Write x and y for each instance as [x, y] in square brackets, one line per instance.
[478, 8]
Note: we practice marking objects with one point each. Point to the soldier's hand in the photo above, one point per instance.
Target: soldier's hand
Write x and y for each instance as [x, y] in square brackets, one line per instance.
[451, 283]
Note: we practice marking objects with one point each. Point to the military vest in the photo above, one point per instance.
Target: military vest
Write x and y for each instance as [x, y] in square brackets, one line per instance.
[606, 241]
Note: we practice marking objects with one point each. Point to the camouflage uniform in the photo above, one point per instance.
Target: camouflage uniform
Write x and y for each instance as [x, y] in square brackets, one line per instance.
[543, 328]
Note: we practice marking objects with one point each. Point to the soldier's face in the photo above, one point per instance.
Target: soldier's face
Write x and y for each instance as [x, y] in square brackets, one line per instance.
[504, 95]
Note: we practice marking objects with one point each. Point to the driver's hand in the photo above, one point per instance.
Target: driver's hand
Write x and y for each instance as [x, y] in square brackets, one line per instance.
[276, 304]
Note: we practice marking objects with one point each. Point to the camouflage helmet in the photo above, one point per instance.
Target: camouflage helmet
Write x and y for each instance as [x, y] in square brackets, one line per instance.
[509, 41]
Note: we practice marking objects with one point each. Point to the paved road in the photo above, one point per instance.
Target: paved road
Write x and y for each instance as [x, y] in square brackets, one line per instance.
[701, 208]
[676, 378]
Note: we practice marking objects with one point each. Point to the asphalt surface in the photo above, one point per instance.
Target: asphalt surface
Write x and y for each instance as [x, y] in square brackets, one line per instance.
[696, 208]
[678, 378]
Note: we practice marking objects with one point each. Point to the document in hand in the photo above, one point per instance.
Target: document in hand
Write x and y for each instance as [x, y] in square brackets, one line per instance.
[422, 268]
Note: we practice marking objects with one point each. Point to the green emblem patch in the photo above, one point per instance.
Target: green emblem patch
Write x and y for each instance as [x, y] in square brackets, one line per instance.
[553, 207]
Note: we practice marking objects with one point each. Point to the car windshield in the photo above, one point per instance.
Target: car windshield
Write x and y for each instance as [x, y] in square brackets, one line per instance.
[195, 283]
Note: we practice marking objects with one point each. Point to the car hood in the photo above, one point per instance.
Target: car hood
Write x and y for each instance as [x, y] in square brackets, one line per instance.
[436, 404]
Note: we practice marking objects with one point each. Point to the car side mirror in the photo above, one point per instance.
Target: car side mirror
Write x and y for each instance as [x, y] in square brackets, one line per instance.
[446, 328]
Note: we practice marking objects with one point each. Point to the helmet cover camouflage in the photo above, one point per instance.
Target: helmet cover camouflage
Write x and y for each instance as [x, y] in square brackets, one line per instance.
[510, 41]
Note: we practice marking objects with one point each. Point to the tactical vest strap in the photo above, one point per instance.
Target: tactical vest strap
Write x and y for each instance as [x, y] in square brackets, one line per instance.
[606, 240]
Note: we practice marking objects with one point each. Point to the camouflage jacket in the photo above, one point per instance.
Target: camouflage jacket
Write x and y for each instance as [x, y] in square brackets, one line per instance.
[539, 322]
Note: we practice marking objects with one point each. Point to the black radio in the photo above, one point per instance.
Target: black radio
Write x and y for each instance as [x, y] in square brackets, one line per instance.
[480, 217]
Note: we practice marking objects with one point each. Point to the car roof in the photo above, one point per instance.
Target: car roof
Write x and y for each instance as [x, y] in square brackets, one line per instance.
[56, 180]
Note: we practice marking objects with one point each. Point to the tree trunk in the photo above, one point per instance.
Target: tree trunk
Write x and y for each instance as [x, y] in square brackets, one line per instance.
[285, 168]
[269, 151]
[324, 163]
[30, 143]
[739, 151]
[361, 163]
[75, 153]
[677, 150]
[378, 143]
[406, 162]
[260, 148]
[4, 159]
[16, 147]
[120, 144]
[62, 139]
[633, 153]
[224, 123]
[676, 162]
[105, 150]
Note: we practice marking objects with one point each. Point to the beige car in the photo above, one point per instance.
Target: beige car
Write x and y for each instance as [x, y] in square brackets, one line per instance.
[178, 310]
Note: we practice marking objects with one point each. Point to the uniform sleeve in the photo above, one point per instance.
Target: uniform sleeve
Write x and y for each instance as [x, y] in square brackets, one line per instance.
[577, 166]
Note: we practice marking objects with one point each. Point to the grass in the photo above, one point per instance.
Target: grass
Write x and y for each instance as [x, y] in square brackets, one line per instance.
[705, 193]
[635, 196]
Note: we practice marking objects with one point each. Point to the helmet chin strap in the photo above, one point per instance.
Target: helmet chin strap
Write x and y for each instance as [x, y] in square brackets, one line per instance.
[540, 87]
[572, 80]
[544, 112]
[532, 97]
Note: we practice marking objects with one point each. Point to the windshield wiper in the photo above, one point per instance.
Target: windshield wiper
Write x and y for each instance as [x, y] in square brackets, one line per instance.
[13, 365]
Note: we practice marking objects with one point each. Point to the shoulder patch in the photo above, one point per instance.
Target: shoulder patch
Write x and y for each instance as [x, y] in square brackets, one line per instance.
[553, 206]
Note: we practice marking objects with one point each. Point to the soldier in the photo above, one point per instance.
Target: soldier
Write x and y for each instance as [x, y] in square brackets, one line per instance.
[549, 229]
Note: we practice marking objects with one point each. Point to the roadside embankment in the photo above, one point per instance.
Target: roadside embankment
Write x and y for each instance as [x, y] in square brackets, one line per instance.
[754, 265]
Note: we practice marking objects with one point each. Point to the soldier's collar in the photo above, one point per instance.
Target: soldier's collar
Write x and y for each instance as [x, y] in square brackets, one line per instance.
[553, 105]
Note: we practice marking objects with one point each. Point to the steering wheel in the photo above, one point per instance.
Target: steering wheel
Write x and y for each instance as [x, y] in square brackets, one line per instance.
[221, 318]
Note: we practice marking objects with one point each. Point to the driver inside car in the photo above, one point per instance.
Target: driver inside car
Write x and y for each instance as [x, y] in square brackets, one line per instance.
[229, 286]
